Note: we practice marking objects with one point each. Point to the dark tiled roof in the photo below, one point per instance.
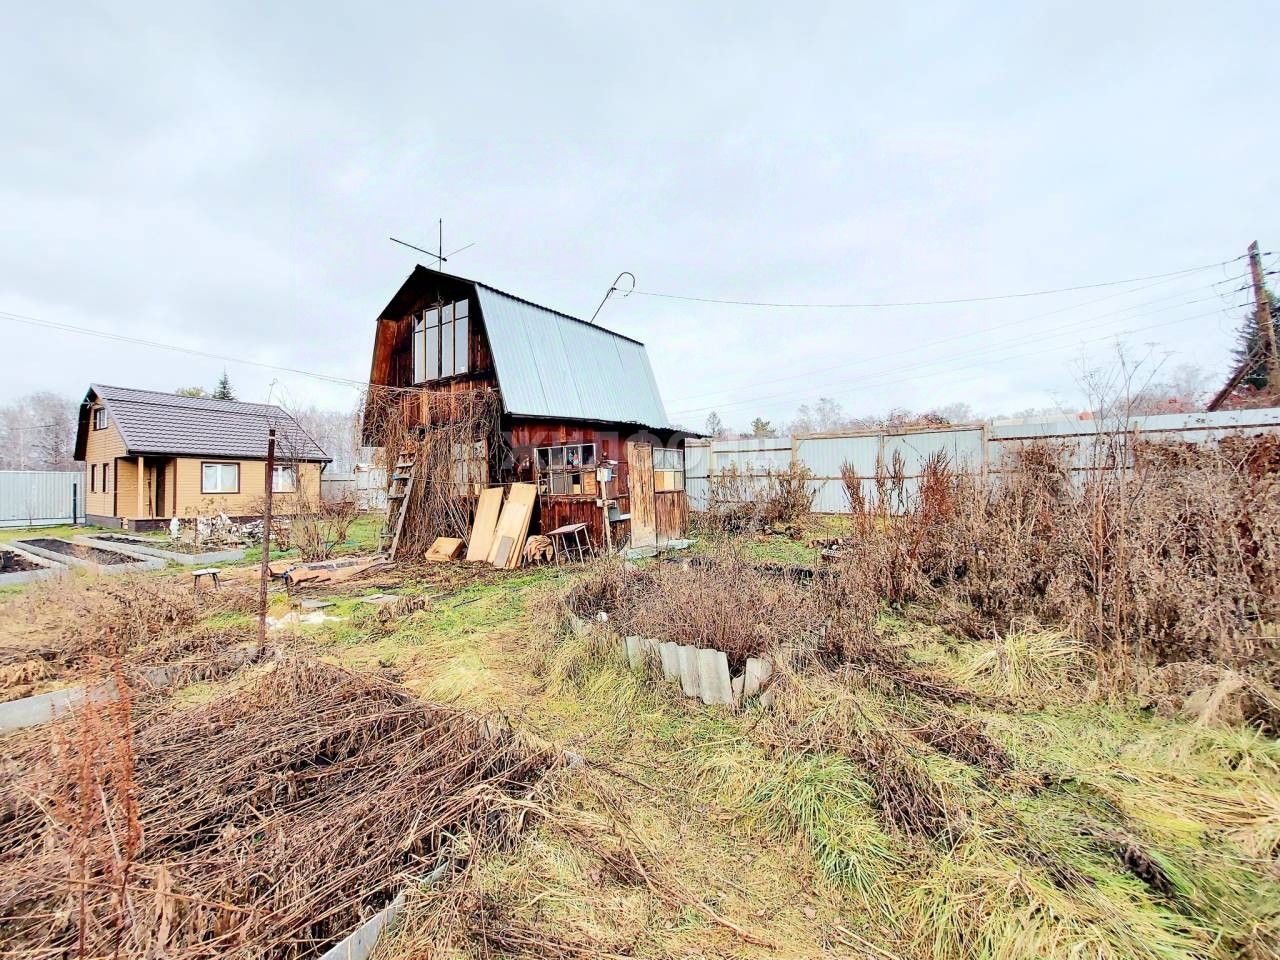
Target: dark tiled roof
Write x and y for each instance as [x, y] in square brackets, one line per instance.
[151, 422]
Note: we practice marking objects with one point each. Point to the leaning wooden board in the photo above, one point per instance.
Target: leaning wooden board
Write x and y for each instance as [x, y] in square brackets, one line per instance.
[486, 523]
[513, 524]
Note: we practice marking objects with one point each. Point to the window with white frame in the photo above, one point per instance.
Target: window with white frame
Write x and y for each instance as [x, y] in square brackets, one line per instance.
[99, 418]
[284, 479]
[220, 478]
[568, 470]
[440, 341]
[668, 469]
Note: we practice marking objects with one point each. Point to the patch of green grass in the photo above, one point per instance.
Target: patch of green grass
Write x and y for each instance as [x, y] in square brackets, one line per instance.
[65, 530]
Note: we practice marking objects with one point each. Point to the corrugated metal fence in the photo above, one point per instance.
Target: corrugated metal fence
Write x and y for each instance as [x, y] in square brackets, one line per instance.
[36, 498]
[976, 447]
[366, 484]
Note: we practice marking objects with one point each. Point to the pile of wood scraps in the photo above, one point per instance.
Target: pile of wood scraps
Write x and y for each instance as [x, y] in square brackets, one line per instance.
[328, 571]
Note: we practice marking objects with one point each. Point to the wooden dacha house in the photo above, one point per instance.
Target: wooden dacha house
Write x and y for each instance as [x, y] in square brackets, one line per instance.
[577, 407]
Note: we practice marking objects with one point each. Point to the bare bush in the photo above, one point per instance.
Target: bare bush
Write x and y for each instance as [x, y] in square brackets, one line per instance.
[319, 525]
[1159, 557]
[777, 501]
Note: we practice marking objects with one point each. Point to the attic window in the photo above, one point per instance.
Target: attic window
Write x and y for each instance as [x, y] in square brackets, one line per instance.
[440, 340]
[99, 418]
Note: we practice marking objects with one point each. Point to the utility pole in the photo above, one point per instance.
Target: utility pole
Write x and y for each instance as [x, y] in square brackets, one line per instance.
[263, 573]
[1265, 321]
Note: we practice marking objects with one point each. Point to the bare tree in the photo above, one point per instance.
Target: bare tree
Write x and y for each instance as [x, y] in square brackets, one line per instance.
[37, 432]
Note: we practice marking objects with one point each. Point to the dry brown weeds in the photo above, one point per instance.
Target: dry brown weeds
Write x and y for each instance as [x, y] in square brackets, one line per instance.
[280, 826]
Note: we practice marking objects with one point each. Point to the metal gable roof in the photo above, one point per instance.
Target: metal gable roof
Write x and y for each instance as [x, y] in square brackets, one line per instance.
[552, 365]
[151, 422]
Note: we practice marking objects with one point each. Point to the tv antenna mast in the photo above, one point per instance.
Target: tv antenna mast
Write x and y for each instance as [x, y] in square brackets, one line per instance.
[439, 255]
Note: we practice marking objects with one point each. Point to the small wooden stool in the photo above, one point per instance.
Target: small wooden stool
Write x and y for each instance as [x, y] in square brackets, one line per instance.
[210, 572]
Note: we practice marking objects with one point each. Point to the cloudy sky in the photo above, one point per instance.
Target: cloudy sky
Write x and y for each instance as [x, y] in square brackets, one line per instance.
[226, 181]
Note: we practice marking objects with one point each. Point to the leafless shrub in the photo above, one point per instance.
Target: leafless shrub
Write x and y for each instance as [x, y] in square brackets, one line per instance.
[726, 605]
[776, 501]
[319, 525]
[453, 437]
[1159, 557]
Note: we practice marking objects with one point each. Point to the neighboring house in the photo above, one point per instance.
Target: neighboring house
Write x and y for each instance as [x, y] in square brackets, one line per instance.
[574, 396]
[152, 456]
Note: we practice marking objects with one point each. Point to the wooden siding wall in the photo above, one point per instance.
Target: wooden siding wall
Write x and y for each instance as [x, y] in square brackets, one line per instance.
[102, 446]
[192, 503]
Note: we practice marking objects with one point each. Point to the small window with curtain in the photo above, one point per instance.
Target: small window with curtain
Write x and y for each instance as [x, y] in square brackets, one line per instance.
[106, 478]
[220, 478]
[284, 479]
[93, 478]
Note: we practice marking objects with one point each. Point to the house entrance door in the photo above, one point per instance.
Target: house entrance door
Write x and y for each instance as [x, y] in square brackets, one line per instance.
[159, 510]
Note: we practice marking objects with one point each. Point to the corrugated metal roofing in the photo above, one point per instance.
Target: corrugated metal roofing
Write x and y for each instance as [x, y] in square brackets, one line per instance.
[151, 422]
[552, 365]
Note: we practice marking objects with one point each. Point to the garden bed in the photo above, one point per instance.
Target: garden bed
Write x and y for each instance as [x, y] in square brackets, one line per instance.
[18, 567]
[85, 555]
[188, 554]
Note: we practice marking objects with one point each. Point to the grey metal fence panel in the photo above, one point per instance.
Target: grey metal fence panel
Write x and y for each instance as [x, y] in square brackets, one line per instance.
[697, 464]
[824, 456]
[34, 498]
[971, 447]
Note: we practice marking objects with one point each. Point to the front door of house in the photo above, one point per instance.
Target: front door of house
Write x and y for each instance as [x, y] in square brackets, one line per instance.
[159, 510]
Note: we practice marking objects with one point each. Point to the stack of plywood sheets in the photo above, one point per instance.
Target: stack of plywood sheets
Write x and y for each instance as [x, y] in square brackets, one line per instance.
[513, 526]
[485, 525]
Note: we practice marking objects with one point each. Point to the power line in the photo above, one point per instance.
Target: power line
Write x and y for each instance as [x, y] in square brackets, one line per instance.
[893, 380]
[878, 378]
[931, 303]
[994, 327]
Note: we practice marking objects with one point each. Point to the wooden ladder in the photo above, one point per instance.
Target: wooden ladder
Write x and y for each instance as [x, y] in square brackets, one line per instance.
[399, 491]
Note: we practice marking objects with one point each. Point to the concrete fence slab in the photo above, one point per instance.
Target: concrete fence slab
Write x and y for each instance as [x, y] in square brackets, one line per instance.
[713, 671]
[669, 652]
[757, 675]
[690, 678]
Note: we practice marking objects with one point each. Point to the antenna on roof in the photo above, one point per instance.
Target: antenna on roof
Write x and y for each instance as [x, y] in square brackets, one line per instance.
[615, 289]
[440, 255]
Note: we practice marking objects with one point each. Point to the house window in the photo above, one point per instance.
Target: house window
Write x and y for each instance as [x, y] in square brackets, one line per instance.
[567, 471]
[93, 478]
[440, 338]
[284, 479]
[106, 478]
[220, 478]
[668, 469]
[99, 418]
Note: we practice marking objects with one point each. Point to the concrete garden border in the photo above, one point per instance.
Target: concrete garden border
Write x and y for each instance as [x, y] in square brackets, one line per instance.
[702, 672]
[47, 707]
[155, 548]
[48, 568]
[137, 561]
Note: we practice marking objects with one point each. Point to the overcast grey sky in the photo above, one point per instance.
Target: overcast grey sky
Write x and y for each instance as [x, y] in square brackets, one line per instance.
[226, 179]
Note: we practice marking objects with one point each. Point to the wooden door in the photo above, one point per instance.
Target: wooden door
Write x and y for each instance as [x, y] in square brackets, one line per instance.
[644, 515]
[159, 511]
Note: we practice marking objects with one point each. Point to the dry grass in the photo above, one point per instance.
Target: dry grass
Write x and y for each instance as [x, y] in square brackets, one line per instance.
[75, 627]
